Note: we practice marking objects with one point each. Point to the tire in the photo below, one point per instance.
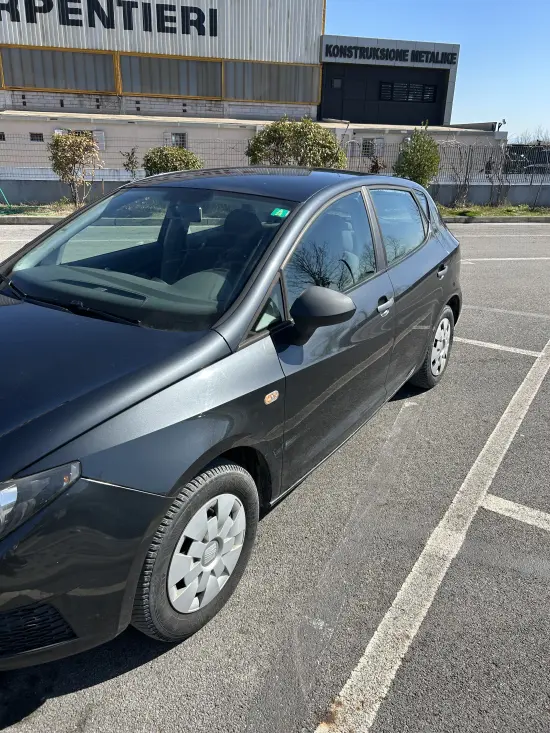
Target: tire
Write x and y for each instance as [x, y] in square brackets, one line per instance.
[163, 607]
[428, 376]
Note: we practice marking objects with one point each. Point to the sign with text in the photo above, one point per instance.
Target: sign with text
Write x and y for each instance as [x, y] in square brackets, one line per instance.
[368, 53]
[238, 29]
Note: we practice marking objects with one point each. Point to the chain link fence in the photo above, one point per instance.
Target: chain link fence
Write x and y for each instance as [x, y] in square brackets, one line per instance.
[24, 157]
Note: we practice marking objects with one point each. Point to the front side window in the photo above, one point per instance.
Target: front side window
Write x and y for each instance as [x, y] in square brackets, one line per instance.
[336, 252]
[401, 222]
[173, 258]
[272, 312]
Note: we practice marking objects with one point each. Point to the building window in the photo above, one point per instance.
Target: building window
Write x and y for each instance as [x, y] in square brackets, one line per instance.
[428, 95]
[143, 75]
[37, 137]
[179, 139]
[337, 83]
[246, 81]
[26, 68]
[399, 91]
[2, 137]
[368, 147]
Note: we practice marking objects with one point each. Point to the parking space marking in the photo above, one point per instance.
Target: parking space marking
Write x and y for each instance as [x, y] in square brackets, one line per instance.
[517, 511]
[356, 707]
[505, 312]
[498, 347]
[506, 259]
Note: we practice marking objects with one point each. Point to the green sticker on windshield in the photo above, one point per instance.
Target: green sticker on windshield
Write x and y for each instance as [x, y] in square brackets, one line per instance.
[281, 213]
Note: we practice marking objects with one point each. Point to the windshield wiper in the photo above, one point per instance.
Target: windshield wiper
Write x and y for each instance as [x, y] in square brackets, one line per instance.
[20, 294]
[77, 306]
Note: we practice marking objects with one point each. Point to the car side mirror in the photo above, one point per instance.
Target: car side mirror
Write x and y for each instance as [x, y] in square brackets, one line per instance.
[317, 307]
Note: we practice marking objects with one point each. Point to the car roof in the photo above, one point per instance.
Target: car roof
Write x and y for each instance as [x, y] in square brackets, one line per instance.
[290, 184]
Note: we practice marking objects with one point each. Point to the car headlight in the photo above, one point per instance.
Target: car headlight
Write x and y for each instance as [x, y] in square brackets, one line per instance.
[20, 498]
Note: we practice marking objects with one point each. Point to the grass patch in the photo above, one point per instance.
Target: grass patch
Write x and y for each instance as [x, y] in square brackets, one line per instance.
[504, 210]
[59, 208]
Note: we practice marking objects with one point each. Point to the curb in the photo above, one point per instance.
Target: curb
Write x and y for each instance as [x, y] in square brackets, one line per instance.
[496, 219]
[45, 220]
[24, 220]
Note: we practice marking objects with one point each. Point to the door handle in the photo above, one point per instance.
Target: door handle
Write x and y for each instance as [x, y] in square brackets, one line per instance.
[384, 308]
[442, 272]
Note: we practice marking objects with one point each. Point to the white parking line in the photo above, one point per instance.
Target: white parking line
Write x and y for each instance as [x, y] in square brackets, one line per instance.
[497, 347]
[504, 311]
[505, 259]
[357, 705]
[517, 511]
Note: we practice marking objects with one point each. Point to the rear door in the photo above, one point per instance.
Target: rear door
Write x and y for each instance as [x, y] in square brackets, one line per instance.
[416, 261]
[337, 379]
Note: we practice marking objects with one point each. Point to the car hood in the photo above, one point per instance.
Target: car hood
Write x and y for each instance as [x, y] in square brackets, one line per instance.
[61, 374]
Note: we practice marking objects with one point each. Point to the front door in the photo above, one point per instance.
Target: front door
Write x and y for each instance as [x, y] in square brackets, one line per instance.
[416, 266]
[336, 381]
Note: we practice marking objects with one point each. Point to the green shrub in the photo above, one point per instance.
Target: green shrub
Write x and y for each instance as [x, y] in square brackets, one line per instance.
[303, 143]
[75, 159]
[168, 159]
[419, 159]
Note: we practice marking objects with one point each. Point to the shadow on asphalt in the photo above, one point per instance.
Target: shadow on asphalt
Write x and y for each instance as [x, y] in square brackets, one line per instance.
[23, 691]
[406, 392]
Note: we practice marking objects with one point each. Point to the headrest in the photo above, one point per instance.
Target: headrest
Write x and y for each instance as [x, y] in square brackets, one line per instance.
[186, 212]
[242, 222]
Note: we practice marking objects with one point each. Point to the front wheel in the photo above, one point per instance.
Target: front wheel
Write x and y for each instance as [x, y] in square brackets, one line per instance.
[198, 553]
[438, 352]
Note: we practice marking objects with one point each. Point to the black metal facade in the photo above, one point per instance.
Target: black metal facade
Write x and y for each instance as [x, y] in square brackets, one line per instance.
[391, 95]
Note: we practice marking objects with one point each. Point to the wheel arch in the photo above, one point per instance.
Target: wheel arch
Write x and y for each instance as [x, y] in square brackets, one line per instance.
[265, 471]
[455, 305]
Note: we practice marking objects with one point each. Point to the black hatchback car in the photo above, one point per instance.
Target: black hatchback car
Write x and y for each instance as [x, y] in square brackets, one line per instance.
[178, 357]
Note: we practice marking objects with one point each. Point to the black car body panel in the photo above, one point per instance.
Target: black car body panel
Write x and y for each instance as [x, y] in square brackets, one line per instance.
[81, 556]
[145, 410]
[89, 370]
[187, 425]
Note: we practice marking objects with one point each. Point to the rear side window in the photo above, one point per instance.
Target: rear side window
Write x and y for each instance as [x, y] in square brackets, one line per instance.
[403, 228]
[424, 203]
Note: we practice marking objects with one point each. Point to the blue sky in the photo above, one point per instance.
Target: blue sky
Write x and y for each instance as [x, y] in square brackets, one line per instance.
[504, 66]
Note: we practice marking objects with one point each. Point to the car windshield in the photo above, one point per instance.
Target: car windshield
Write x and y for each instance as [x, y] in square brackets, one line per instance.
[172, 258]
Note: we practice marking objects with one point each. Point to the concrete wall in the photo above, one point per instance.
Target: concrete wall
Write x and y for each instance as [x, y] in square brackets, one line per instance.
[47, 192]
[161, 106]
[484, 194]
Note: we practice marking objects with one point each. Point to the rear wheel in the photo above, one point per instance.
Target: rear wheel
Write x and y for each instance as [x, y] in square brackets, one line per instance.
[438, 352]
[198, 553]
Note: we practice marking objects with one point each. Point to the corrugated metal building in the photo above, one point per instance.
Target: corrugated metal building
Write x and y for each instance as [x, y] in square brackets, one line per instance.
[234, 51]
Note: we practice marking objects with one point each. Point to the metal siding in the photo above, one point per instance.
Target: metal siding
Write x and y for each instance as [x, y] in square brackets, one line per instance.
[58, 70]
[261, 30]
[271, 82]
[155, 75]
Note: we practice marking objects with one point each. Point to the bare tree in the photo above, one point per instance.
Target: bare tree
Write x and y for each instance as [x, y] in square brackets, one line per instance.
[458, 163]
[540, 135]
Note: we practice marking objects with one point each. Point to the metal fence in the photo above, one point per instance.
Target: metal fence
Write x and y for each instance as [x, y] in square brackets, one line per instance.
[26, 158]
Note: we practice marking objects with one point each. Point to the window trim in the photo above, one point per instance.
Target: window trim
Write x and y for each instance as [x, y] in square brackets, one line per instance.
[251, 337]
[377, 261]
[427, 224]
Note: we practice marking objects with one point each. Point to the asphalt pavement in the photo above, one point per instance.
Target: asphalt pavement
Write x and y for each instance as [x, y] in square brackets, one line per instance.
[332, 559]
